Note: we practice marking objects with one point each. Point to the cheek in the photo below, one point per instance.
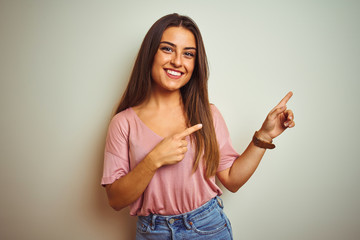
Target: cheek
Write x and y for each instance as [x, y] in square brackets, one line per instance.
[156, 66]
[191, 67]
[154, 71]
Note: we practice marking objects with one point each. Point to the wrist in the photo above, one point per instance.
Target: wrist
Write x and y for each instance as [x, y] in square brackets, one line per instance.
[150, 163]
[263, 136]
[262, 141]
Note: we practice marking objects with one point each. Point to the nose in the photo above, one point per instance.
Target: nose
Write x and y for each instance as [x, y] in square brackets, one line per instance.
[176, 60]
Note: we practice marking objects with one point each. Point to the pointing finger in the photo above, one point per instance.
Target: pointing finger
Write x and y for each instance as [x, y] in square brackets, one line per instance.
[285, 99]
[189, 131]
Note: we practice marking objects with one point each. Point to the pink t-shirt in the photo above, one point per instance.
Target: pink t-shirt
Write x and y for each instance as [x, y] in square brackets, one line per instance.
[174, 189]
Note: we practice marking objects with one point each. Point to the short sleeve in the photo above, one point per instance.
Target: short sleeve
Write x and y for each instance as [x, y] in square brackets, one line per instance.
[227, 153]
[116, 154]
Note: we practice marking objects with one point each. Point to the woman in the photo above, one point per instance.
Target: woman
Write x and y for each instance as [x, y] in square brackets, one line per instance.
[167, 142]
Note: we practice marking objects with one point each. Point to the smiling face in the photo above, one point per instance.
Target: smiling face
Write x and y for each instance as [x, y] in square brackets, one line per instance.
[174, 60]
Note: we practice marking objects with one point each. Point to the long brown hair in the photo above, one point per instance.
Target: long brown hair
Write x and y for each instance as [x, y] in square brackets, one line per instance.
[194, 93]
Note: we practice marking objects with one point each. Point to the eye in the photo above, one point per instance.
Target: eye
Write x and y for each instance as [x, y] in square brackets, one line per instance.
[189, 54]
[166, 49]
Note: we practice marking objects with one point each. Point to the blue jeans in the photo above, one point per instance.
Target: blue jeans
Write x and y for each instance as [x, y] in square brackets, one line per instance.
[206, 222]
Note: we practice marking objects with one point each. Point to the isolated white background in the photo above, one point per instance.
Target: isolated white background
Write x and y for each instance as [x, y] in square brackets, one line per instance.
[64, 65]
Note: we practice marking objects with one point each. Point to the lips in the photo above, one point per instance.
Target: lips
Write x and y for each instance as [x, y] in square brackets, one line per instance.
[173, 73]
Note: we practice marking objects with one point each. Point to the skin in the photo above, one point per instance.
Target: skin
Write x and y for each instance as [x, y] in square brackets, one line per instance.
[163, 113]
[245, 165]
[176, 53]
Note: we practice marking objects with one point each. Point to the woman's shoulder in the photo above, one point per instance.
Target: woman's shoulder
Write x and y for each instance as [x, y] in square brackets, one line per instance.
[212, 106]
[218, 119]
[214, 110]
[124, 114]
[122, 119]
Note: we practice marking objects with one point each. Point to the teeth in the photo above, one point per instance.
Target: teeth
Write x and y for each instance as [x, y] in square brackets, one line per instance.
[173, 73]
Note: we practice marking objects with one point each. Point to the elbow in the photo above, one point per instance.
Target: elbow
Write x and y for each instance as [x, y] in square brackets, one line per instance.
[116, 206]
[233, 190]
[234, 187]
[114, 202]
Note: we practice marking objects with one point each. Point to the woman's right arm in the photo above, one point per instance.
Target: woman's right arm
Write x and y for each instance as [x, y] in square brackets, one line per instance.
[130, 187]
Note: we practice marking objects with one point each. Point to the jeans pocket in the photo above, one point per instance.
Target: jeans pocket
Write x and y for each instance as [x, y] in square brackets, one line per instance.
[142, 227]
[214, 222]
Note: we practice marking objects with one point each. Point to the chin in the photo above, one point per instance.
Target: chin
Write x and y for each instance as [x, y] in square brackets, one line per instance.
[173, 87]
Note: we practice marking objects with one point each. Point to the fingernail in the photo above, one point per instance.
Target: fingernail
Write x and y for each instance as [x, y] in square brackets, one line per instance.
[200, 125]
[286, 124]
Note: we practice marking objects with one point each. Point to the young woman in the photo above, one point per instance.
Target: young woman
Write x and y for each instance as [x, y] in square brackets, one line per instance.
[166, 143]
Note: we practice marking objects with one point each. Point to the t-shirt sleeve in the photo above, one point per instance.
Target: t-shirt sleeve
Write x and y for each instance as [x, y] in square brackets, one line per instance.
[227, 153]
[116, 154]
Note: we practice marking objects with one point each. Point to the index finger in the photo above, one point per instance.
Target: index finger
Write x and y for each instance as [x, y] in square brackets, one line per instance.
[285, 99]
[189, 131]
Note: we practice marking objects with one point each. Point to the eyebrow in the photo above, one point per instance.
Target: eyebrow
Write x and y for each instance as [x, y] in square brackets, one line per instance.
[173, 45]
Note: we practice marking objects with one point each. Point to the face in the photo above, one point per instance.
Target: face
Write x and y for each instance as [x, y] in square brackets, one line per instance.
[174, 60]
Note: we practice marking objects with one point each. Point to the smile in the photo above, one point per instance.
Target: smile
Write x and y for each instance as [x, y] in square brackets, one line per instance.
[173, 73]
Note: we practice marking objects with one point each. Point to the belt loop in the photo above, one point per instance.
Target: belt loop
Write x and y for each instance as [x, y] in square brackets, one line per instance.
[220, 202]
[187, 225]
[152, 224]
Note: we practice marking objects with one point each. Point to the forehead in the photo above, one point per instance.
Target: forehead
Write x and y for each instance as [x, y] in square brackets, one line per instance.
[179, 36]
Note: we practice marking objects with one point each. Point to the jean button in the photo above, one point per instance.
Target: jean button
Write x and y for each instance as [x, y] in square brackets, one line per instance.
[171, 221]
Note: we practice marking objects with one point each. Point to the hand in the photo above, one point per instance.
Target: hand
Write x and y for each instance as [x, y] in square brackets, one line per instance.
[171, 150]
[277, 120]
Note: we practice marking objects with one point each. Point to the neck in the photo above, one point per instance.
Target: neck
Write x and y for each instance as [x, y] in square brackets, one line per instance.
[162, 99]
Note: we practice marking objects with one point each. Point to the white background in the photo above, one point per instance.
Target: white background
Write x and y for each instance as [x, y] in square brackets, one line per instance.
[64, 65]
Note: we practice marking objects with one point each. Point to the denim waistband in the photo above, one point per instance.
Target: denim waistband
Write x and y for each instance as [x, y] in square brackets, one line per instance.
[185, 218]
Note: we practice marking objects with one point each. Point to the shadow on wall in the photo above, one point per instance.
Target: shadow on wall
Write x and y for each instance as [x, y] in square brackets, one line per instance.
[119, 224]
[113, 224]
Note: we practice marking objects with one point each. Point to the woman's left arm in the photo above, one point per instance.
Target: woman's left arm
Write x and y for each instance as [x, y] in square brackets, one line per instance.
[245, 165]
